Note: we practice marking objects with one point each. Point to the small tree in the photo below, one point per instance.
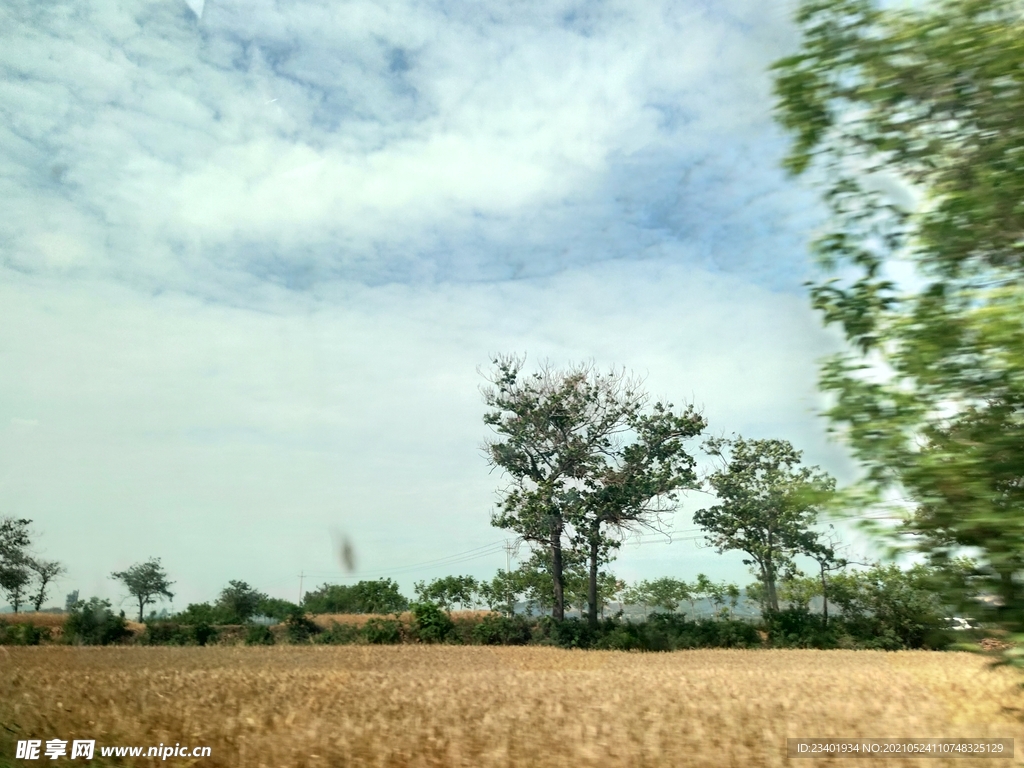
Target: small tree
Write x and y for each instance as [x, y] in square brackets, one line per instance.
[768, 505]
[239, 602]
[15, 573]
[145, 582]
[46, 571]
[503, 591]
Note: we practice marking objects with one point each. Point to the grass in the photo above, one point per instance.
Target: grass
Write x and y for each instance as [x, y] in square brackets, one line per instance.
[413, 705]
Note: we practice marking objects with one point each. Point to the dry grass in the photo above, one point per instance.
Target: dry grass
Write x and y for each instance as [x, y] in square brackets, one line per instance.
[47, 620]
[470, 706]
[359, 619]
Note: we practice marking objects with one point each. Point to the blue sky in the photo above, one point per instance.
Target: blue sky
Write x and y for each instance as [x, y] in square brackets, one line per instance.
[252, 256]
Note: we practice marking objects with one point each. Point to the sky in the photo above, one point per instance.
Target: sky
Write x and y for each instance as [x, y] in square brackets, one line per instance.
[255, 259]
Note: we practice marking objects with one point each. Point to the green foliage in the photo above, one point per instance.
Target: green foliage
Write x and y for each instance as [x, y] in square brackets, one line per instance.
[201, 613]
[276, 608]
[145, 582]
[177, 633]
[300, 629]
[432, 624]
[797, 627]
[385, 631]
[258, 634]
[930, 395]
[380, 596]
[338, 634]
[15, 570]
[660, 632]
[502, 630]
[901, 607]
[768, 505]
[447, 591]
[584, 457]
[45, 572]
[503, 591]
[883, 607]
[93, 623]
[238, 602]
[22, 633]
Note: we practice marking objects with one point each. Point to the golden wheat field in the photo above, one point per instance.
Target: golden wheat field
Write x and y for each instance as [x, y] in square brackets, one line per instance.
[474, 706]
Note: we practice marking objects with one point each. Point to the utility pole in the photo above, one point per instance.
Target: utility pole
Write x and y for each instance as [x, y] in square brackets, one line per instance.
[510, 547]
[301, 574]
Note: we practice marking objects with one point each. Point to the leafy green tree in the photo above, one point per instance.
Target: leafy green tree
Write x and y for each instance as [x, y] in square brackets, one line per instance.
[238, 602]
[722, 595]
[15, 571]
[145, 582]
[930, 394]
[45, 571]
[378, 596]
[447, 591]
[638, 480]
[798, 590]
[503, 591]
[575, 474]
[552, 428]
[823, 551]
[768, 505]
[665, 593]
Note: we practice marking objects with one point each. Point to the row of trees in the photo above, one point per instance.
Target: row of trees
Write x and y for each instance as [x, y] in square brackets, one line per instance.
[589, 459]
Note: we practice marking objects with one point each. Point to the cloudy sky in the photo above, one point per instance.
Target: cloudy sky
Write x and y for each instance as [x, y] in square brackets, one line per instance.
[253, 256]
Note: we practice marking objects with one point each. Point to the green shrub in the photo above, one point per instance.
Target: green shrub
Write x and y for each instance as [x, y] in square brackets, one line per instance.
[432, 624]
[258, 634]
[338, 634]
[176, 633]
[300, 629]
[22, 634]
[279, 609]
[502, 630]
[382, 631]
[797, 627]
[166, 633]
[201, 613]
[93, 623]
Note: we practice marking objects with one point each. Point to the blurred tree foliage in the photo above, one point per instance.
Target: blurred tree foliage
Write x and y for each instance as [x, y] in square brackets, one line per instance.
[378, 596]
[911, 123]
[447, 591]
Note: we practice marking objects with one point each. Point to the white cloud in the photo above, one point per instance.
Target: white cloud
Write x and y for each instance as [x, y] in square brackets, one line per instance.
[339, 141]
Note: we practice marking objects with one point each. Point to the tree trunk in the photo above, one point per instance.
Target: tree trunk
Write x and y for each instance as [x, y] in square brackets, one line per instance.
[142, 607]
[824, 597]
[592, 584]
[558, 609]
[772, 595]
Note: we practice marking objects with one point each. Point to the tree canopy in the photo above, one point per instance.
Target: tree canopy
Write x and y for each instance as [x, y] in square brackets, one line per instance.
[586, 458]
[145, 582]
[768, 505]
